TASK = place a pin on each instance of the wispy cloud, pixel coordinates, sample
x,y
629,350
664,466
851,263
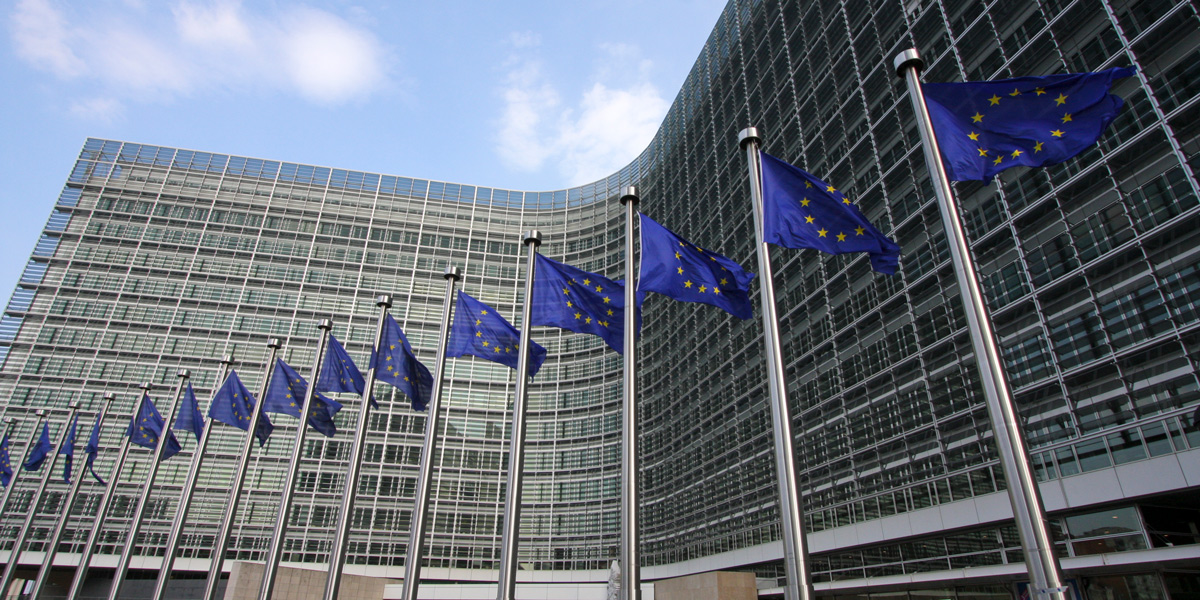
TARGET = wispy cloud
x,y
605,128
134,53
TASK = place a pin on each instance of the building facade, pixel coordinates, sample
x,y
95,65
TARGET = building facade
x,y
156,258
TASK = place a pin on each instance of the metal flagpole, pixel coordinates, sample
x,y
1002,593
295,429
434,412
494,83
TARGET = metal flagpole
x,y
631,571
509,540
14,557
420,513
1044,570
279,533
341,538
185,497
221,543
106,499
61,526
795,546
139,511
12,481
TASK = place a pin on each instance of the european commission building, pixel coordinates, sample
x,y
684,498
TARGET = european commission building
x,y
155,259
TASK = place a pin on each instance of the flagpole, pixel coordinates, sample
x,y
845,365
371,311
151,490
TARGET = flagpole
x,y
1044,570
217,560
506,587
106,499
185,497
337,555
420,513
279,533
631,571
14,557
160,448
12,481
61,526
795,545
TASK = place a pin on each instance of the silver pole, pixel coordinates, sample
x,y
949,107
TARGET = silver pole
x,y
185,496
12,481
509,543
279,533
420,513
61,526
14,557
337,556
1044,570
139,511
106,499
217,560
631,568
795,545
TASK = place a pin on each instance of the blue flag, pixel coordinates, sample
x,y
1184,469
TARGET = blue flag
x,y
396,364
338,371
984,127
40,451
189,417
801,211
676,268
573,299
479,330
286,392
92,449
148,425
233,404
68,450
6,469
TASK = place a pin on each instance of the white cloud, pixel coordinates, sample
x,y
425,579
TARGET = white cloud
x,y
603,131
327,59
41,37
136,53
103,110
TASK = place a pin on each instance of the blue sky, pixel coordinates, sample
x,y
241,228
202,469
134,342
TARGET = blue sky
x,y
513,94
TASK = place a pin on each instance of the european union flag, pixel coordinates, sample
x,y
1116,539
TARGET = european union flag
x,y
40,451
148,425
92,449
396,364
6,470
573,299
233,404
984,127
674,267
68,450
801,211
189,418
285,393
479,330
338,371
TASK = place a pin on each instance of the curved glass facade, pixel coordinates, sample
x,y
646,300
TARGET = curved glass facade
x,y
155,259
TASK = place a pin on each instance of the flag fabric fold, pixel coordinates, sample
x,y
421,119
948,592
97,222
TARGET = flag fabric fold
x,y
189,417
40,450
92,449
676,268
802,211
6,468
397,365
338,371
985,127
286,392
68,450
148,425
479,330
576,300
233,405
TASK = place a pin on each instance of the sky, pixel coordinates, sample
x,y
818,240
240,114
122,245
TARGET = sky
x,y
510,94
